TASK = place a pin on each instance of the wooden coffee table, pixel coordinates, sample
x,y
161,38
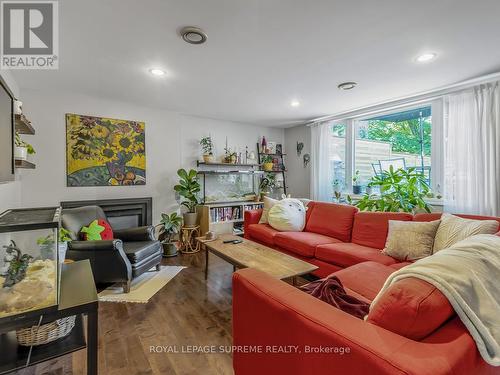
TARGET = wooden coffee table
x,y
249,254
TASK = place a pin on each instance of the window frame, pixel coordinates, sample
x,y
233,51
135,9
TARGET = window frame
x,y
437,139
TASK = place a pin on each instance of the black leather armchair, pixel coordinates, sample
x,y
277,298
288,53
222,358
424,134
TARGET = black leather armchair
x,y
132,252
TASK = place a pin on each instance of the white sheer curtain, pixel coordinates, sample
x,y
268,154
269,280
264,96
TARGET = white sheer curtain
x,y
321,181
472,151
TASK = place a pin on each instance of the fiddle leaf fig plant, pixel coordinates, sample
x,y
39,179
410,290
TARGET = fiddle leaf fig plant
x,y
188,188
400,191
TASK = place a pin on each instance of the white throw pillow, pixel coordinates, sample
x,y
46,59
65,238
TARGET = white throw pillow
x,y
268,204
288,215
453,229
410,240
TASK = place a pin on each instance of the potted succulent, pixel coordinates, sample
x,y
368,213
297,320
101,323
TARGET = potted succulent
x,y
188,188
207,147
356,188
169,227
22,149
267,163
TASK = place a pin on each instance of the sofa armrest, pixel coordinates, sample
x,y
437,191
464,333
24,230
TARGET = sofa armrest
x,y
251,217
271,315
110,245
145,233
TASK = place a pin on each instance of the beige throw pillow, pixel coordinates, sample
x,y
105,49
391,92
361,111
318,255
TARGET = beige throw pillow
x,y
453,229
268,204
410,240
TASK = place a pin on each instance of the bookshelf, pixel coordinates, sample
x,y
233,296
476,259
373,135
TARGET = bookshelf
x,y
225,217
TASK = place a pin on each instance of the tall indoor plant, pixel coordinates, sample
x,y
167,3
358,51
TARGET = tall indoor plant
x,y
188,188
169,227
400,191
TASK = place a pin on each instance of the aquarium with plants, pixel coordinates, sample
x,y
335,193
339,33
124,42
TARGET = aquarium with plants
x,y
29,267
229,186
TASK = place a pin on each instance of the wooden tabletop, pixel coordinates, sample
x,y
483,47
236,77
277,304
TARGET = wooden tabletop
x,y
249,254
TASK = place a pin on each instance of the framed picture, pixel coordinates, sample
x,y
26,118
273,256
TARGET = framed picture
x,y
271,147
104,152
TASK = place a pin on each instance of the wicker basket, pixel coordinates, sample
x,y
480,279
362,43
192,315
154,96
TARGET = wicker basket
x,y
45,333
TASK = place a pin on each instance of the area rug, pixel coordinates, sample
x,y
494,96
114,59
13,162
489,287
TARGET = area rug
x,y
142,288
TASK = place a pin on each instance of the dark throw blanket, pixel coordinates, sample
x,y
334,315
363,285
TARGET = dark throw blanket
x,y
330,290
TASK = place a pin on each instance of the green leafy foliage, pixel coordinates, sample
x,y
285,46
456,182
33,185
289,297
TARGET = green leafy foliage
x,y
267,159
188,188
18,264
19,142
207,145
400,191
268,182
170,225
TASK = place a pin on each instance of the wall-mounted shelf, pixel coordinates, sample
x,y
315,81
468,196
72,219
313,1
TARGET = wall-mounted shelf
x,y
23,125
198,163
274,171
24,164
229,172
281,164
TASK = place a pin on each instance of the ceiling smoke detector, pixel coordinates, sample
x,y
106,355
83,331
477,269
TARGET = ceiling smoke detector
x,y
347,85
193,35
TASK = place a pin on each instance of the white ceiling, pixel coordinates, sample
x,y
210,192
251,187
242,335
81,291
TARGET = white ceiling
x,y
262,54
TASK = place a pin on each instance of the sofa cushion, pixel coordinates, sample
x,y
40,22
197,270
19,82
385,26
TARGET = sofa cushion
x,y
302,243
140,250
412,308
330,219
366,279
348,254
398,266
263,233
370,228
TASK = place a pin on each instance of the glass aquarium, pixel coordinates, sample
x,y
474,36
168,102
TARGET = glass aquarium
x,y
29,267
229,186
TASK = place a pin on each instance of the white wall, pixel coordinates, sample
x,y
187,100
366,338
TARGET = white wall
x,y
10,192
171,142
298,177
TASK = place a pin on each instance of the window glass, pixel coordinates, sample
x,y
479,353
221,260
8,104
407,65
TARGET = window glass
x,y
337,152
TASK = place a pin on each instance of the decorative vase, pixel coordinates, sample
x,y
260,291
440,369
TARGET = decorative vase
x,y
169,249
20,153
267,167
190,219
63,247
209,158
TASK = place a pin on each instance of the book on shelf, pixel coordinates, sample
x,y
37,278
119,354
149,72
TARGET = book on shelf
x,y
218,214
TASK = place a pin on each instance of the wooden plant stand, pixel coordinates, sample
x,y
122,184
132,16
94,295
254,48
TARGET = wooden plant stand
x,y
188,242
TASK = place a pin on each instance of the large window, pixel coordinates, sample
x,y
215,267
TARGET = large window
x,y
366,146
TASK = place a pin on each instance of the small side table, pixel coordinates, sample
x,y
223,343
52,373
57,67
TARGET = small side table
x,y
188,243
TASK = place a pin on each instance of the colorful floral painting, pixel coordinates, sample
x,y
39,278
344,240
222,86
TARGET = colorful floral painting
x,y
104,151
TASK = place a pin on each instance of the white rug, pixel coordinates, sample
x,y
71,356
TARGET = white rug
x,y
143,288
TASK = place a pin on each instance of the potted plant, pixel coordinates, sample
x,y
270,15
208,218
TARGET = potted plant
x,y
169,227
267,163
400,191
47,244
22,149
207,147
267,184
356,188
230,156
188,188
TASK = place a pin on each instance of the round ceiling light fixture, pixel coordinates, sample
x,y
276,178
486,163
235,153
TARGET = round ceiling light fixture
x,y
347,85
294,103
426,57
157,72
193,35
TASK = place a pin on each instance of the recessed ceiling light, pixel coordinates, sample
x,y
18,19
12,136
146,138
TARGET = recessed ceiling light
x,y
294,103
347,85
426,57
157,72
193,35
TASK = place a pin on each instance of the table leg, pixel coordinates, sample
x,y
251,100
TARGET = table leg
x,y
92,332
206,263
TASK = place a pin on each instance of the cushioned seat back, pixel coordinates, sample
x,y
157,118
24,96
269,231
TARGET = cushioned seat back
x,y
412,308
73,219
370,228
330,219
437,216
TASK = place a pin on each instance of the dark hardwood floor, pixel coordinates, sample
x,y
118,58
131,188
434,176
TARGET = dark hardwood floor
x,y
188,311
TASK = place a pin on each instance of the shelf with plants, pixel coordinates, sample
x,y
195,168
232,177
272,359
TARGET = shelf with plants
x,y
272,163
21,151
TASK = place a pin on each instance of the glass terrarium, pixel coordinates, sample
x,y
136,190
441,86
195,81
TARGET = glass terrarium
x,y
29,267
229,186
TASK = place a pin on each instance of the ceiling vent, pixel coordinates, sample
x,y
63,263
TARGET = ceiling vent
x,y
193,35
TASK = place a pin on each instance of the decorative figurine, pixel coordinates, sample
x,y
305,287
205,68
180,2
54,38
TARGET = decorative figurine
x,y
307,159
300,146
18,264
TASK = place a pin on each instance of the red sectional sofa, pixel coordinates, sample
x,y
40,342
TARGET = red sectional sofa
x,y
335,236
279,329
